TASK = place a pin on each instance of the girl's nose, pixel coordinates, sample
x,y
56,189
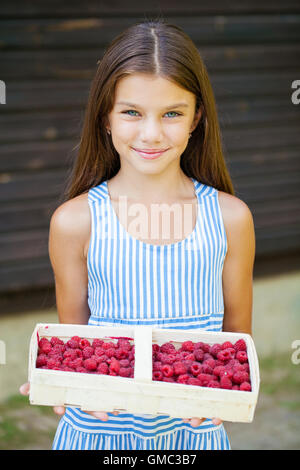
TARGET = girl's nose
x,y
151,131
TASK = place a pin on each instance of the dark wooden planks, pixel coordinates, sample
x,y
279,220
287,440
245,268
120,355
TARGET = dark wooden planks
x,y
98,31
56,8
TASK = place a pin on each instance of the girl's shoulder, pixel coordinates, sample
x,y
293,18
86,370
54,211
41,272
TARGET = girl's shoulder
x,y
235,212
72,219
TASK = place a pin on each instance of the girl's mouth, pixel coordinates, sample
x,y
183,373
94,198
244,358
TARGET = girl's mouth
x,y
149,154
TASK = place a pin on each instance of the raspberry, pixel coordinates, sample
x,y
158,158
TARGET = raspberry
x,y
124,371
157,365
218,371
167,370
179,368
59,348
43,341
87,352
70,353
54,340
168,348
103,368
110,352
213,384
240,376
190,357
240,345
206,369
97,343
99,351
227,373
41,360
51,363
114,365
44,346
235,387
215,349
227,345
90,364
157,375
193,381
187,346
204,346
225,382
168,379
108,345
81,369
83,343
77,363
155,348
207,356
123,343
124,363
226,354
205,379
170,358
121,353
210,362
196,368
72,343
245,387
199,355
242,356
183,378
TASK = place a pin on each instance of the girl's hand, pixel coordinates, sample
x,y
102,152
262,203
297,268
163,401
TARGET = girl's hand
x,y
60,410
195,422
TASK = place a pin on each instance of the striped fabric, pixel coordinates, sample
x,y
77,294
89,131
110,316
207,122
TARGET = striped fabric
x,y
168,286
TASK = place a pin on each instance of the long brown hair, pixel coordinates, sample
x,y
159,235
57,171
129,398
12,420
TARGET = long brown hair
x,y
152,47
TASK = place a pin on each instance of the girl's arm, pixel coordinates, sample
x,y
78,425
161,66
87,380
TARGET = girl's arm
x,y
69,230
238,265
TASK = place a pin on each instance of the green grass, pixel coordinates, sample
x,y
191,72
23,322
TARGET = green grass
x,y
25,426
279,375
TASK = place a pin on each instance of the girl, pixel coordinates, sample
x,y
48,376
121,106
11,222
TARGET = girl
x,y
151,138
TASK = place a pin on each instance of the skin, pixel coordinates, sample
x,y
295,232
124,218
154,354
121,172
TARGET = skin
x,y
150,125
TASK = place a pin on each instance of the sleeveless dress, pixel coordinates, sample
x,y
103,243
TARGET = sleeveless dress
x,y
167,286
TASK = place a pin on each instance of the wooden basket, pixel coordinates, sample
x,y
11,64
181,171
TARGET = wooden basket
x,y
140,395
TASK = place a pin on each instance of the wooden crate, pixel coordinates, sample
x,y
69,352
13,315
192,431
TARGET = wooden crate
x,y
140,395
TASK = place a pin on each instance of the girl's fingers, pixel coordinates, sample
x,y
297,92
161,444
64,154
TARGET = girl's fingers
x,y
216,421
102,415
24,389
59,410
195,422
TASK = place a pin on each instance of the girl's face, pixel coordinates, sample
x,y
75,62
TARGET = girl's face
x,y
150,123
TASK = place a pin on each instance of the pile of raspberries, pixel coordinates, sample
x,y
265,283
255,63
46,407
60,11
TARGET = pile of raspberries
x,y
81,355
218,366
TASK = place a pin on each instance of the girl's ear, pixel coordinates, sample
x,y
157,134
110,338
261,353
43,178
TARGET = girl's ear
x,y
196,119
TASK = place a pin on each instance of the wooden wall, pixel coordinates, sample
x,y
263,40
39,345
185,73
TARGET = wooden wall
x,y
49,52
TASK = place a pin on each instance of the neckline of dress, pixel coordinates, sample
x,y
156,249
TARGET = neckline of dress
x,y
150,245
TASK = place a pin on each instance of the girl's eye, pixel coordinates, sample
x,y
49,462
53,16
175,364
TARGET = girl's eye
x,y
130,111
175,114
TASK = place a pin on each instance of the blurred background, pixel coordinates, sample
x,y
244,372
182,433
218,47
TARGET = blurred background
x,y
49,52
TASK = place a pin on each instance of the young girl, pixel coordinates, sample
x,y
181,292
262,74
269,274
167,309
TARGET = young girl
x,y
151,138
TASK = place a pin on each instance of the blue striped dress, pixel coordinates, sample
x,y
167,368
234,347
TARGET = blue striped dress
x,y
167,286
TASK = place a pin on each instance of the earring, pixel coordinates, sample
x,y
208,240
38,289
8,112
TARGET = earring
x,y
190,136
108,131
